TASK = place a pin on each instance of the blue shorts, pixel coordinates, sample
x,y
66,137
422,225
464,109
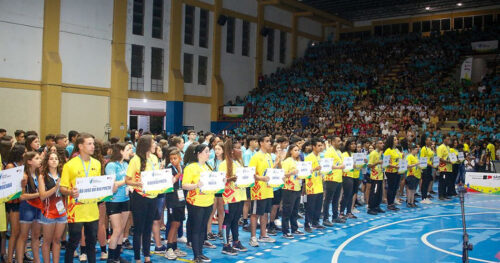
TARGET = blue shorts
x,y
29,214
49,221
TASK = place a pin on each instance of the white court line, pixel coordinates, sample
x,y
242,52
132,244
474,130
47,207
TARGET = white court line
x,y
424,239
336,255
482,207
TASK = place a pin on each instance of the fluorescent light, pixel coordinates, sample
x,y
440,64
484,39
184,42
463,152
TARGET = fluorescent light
x,y
459,4
427,8
145,100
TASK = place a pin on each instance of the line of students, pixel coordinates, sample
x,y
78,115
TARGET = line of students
x,y
50,197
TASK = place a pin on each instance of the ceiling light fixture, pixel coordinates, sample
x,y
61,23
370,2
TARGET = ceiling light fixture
x,y
427,8
459,4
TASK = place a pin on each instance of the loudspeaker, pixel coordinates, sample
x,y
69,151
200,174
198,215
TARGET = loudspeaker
x,y
264,31
222,20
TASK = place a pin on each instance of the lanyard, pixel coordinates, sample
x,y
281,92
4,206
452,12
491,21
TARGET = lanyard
x,y
86,169
35,180
54,178
177,172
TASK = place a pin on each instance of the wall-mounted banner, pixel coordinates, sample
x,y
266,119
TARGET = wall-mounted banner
x,y
233,111
485,46
466,69
488,183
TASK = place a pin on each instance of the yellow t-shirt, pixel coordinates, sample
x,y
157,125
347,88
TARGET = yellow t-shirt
x,y
134,171
291,183
376,171
336,174
466,148
314,185
491,148
395,157
427,152
414,171
261,161
232,194
354,173
73,169
191,175
442,152
3,218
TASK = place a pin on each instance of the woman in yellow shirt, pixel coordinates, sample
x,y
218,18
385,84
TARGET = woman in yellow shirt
x,y
142,204
199,204
291,193
350,182
427,152
391,171
454,171
414,174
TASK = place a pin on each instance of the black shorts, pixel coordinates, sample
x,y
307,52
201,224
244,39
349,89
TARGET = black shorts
x,y
412,182
261,207
277,197
218,195
11,207
176,214
117,207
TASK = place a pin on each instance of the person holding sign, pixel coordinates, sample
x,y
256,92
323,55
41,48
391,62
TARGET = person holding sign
x,y
53,210
261,194
233,198
199,204
80,215
291,193
118,208
176,204
333,183
391,171
455,167
143,205
445,167
30,212
377,179
414,174
314,188
426,152
350,181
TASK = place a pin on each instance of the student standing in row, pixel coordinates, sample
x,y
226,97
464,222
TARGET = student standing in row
x,y
333,184
428,153
314,188
291,193
393,177
376,178
414,174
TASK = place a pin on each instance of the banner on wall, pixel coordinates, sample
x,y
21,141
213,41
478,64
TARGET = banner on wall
x,y
488,183
466,70
233,111
485,46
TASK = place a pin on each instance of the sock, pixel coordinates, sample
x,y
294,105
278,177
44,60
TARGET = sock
x,y
111,253
118,251
83,250
174,245
103,249
170,246
224,234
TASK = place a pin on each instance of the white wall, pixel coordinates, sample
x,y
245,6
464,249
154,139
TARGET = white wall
x,y
310,26
84,113
194,88
248,7
21,31
85,42
269,67
238,71
20,109
278,16
147,41
197,115
302,44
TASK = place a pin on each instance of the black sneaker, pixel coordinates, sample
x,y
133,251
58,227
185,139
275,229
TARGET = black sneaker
x,y
271,232
211,236
288,236
351,216
372,212
204,258
246,228
127,245
228,250
122,260
308,229
327,223
298,233
239,247
219,236
207,244
379,210
339,220
318,226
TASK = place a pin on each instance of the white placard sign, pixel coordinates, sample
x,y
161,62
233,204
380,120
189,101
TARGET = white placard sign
x,y
422,162
359,159
275,177
461,156
326,165
95,188
157,182
245,177
386,161
452,157
212,182
349,163
403,166
10,183
435,161
305,169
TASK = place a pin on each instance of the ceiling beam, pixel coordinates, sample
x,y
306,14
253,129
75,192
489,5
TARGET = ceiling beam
x,y
316,12
308,13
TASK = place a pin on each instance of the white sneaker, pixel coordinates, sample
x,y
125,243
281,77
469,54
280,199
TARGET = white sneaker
x,y
179,253
170,255
83,257
182,239
104,256
355,210
254,242
426,201
300,225
277,222
397,202
266,239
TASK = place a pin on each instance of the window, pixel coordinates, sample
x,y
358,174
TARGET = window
x,y
138,18
188,68
426,26
202,70
405,28
157,69
478,22
189,25
386,30
137,68
458,23
270,44
157,19
436,25
445,24
282,47
230,35
378,30
245,44
468,22
204,24
488,21
417,27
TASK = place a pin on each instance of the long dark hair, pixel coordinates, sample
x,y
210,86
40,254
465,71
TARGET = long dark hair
x,y
423,138
28,141
49,183
290,149
347,147
191,155
16,153
143,146
228,156
389,142
116,156
5,147
27,169
98,154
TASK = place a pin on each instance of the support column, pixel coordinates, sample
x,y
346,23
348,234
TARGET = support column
x,y
50,114
217,82
295,20
118,101
175,110
258,42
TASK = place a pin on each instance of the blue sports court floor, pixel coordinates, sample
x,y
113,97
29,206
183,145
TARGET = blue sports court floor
x,y
430,233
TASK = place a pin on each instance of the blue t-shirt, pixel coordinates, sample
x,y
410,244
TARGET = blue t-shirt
x,y
69,149
120,171
247,156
